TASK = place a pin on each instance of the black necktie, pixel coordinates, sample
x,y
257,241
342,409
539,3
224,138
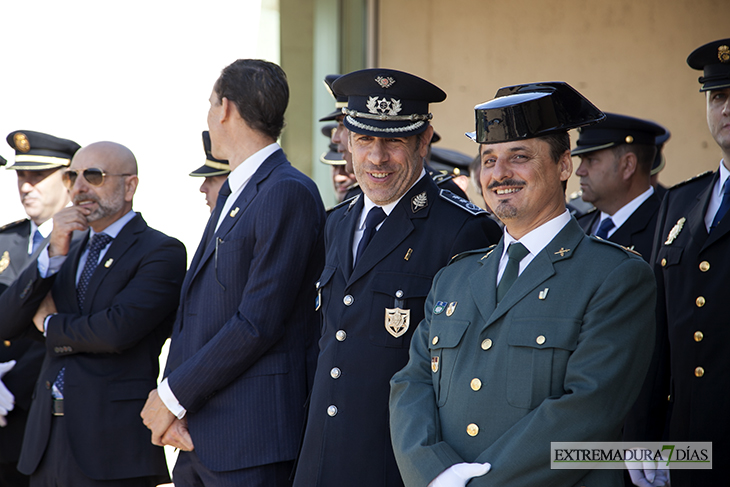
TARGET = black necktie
x,y
516,253
97,242
603,229
223,194
375,216
724,205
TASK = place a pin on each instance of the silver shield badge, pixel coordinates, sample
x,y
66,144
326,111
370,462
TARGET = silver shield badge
x,y
397,321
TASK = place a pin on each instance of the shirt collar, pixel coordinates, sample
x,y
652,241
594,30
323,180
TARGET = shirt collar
x,y
247,168
724,174
623,214
45,228
116,227
368,204
537,239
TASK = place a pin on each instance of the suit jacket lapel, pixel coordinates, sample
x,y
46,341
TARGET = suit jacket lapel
x,y
483,282
346,227
541,268
695,222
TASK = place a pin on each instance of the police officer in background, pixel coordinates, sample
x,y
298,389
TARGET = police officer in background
x,y
38,160
382,251
342,179
685,397
616,158
215,171
659,162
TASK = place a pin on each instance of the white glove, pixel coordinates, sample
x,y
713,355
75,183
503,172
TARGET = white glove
x,y
7,399
458,475
647,473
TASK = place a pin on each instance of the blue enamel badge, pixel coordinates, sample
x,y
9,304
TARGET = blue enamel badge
x,y
440,307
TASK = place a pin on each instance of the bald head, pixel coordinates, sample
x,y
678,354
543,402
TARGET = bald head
x,y
117,158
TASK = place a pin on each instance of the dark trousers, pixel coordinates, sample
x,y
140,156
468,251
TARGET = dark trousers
x,y
189,472
59,468
10,477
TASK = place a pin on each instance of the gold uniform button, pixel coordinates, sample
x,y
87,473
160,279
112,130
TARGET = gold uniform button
x,y
699,336
664,262
335,373
487,344
700,301
540,339
704,266
348,300
435,340
332,411
340,335
476,384
6,343
699,372
472,430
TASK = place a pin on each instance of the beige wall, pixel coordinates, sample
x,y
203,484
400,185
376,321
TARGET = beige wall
x,y
625,56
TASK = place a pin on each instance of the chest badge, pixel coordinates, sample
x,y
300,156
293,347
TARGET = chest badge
x,y
451,308
674,232
4,261
397,321
434,364
440,307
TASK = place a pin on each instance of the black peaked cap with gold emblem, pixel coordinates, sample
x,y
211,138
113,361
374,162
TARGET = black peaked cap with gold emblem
x,y
387,103
714,59
212,166
332,157
340,100
617,130
36,151
532,110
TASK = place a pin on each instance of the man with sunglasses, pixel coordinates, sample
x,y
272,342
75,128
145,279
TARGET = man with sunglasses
x,y
103,305
244,342
39,162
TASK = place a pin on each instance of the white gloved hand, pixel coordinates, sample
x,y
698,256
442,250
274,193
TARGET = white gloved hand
x,y
647,473
7,399
458,475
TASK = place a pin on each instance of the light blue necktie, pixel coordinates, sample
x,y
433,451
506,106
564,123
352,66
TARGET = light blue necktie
x,y
37,240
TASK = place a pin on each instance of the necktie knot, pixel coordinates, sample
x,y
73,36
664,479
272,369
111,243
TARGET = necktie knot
x,y
37,240
517,251
225,189
98,242
605,227
375,216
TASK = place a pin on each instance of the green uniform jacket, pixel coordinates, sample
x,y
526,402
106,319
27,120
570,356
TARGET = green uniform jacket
x,y
561,358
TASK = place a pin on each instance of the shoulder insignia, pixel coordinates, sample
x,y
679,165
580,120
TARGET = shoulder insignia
x,y
13,224
4,261
693,178
614,244
349,201
461,202
460,256
631,249
441,177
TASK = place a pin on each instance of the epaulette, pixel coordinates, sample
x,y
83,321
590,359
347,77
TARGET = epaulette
x,y
349,201
614,244
693,178
12,224
441,177
461,202
461,255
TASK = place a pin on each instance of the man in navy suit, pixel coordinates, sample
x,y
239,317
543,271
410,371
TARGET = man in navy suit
x,y
103,305
616,158
243,346
377,275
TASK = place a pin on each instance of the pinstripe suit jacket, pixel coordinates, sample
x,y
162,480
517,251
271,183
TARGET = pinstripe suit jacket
x,y
244,341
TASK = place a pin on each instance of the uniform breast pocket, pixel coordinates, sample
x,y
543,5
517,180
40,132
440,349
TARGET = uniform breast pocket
x,y
397,307
669,256
443,338
539,349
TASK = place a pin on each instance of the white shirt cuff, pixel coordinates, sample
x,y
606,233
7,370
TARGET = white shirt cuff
x,y
169,399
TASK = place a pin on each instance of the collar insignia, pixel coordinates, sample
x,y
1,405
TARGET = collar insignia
x,y
419,202
562,252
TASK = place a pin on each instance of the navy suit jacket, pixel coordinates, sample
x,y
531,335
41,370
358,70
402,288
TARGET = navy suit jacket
x,y
243,345
109,349
636,233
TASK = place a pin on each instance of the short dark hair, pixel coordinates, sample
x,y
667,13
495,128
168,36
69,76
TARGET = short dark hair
x,y
559,143
259,90
644,155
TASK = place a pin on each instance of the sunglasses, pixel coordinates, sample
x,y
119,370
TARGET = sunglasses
x,y
94,176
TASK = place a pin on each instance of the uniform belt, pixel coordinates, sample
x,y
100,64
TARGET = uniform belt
x,y
57,407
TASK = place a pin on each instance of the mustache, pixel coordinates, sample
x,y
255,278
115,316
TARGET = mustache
x,y
506,182
84,197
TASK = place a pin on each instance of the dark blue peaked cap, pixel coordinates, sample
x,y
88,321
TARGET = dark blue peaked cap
x,y
340,100
617,130
212,166
387,103
532,110
714,59
36,151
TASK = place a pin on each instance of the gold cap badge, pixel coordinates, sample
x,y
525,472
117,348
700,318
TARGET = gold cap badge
x,y
723,54
21,142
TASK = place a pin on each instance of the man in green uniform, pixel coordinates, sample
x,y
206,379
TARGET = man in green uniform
x,y
541,339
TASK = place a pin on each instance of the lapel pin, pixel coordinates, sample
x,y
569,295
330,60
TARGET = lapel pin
x,y
435,364
408,254
674,232
234,212
543,294
440,307
108,263
451,308
562,252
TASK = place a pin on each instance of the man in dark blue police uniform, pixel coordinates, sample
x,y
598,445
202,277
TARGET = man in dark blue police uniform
x,y
616,158
215,171
39,158
537,340
383,249
685,397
